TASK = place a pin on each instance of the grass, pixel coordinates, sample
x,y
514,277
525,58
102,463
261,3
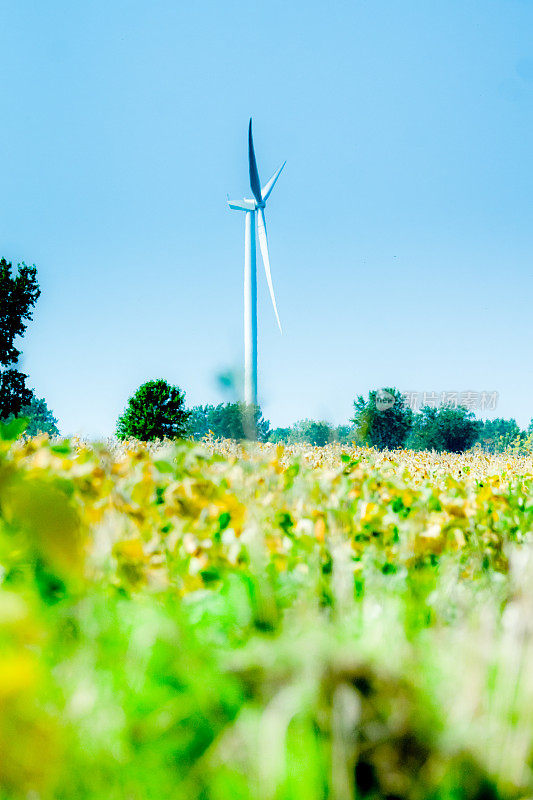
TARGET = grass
x,y
223,621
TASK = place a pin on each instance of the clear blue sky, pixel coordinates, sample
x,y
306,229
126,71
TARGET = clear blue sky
x,y
400,232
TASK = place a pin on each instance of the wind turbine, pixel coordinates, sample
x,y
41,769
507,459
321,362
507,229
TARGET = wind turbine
x,y
253,208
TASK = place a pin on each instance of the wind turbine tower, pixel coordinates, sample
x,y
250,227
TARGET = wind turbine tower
x,y
254,209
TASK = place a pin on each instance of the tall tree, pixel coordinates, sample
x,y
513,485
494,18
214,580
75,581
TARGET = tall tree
x,y
155,411
19,292
453,429
384,420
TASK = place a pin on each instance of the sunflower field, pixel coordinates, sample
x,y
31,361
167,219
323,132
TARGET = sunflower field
x,y
213,621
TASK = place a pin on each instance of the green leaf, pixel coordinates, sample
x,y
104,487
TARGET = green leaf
x,y
9,431
210,574
164,466
61,449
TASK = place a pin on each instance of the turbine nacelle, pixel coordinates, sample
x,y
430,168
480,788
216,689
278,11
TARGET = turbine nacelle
x,y
246,204
242,205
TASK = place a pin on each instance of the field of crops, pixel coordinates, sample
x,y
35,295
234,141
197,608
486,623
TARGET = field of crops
x,y
218,622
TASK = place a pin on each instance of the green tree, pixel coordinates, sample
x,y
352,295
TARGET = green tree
x,y
14,394
229,421
308,431
496,434
449,428
346,434
18,294
384,419
280,436
41,419
197,424
155,411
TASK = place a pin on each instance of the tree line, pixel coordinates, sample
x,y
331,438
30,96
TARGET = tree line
x,y
382,420
157,409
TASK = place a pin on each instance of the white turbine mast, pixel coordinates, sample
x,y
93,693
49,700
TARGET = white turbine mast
x,y
253,208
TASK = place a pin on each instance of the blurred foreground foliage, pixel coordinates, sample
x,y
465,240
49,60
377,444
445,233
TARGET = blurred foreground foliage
x,y
213,621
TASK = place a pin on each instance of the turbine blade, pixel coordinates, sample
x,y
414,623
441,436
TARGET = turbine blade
x,y
267,188
255,183
263,246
